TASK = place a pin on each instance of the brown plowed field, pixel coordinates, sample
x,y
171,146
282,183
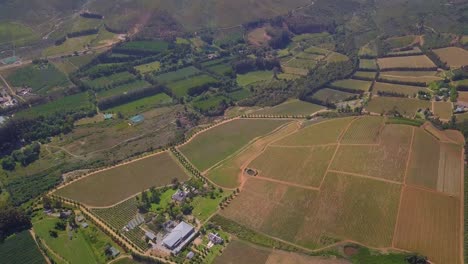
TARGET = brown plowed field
x,y
429,223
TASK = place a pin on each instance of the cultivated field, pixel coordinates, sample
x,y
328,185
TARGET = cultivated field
x,y
180,74
216,144
326,132
444,110
455,57
364,131
42,79
254,77
410,76
365,75
124,88
142,105
228,173
291,108
367,64
406,90
20,249
351,84
149,67
385,161
429,224
404,106
303,166
182,87
410,62
258,36
331,95
111,186
241,252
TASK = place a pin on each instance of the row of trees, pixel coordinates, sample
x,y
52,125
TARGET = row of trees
x,y
25,156
120,99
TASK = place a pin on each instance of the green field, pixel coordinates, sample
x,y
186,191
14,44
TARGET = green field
x,y
216,144
291,108
404,106
43,79
149,67
209,103
406,90
70,46
400,42
107,82
142,105
124,88
17,33
20,249
221,69
254,77
111,186
365,75
155,46
73,103
331,95
181,88
351,84
365,64
180,74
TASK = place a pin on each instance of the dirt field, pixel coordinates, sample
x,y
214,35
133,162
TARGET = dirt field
x,y
410,62
364,131
304,166
258,36
429,224
463,97
326,132
227,173
111,186
216,144
404,106
444,110
410,76
241,252
385,161
450,169
455,57
407,90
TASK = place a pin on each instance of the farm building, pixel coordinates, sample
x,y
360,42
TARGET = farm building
x,y
112,251
138,119
179,196
151,236
10,60
179,237
108,116
215,238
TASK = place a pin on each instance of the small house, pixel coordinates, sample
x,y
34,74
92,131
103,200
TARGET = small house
x,y
215,238
190,255
179,196
151,236
84,225
80,218
112,251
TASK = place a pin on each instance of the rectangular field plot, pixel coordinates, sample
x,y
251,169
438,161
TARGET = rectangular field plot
x,y
218,143
410,76
304,166
365,64
182,87
348,207
409,62
365,75
385,161
332,96
429,223
390,88
404,106
351,84
450,165
142,105
20,249
291,108
111,186
326,132
227,174
254,77
364,130
455,57
178,75
124,88
444,110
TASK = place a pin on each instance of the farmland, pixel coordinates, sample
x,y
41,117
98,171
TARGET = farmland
x,y
367,65
326,132
124,88
406,90
291,108
110,81
364,131
146,46
304,166
352,85
216,144
182,87
365,75
20,249
425,220
18,33
404,106
42,79
180,74
254,77
142,105
94,190
331,95
73,103
455,57
410,76
410,62
444,110
149,67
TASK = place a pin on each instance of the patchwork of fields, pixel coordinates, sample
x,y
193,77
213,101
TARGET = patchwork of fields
x,y
411,62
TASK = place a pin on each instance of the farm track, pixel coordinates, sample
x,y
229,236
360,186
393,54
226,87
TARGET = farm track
x,y
33,234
